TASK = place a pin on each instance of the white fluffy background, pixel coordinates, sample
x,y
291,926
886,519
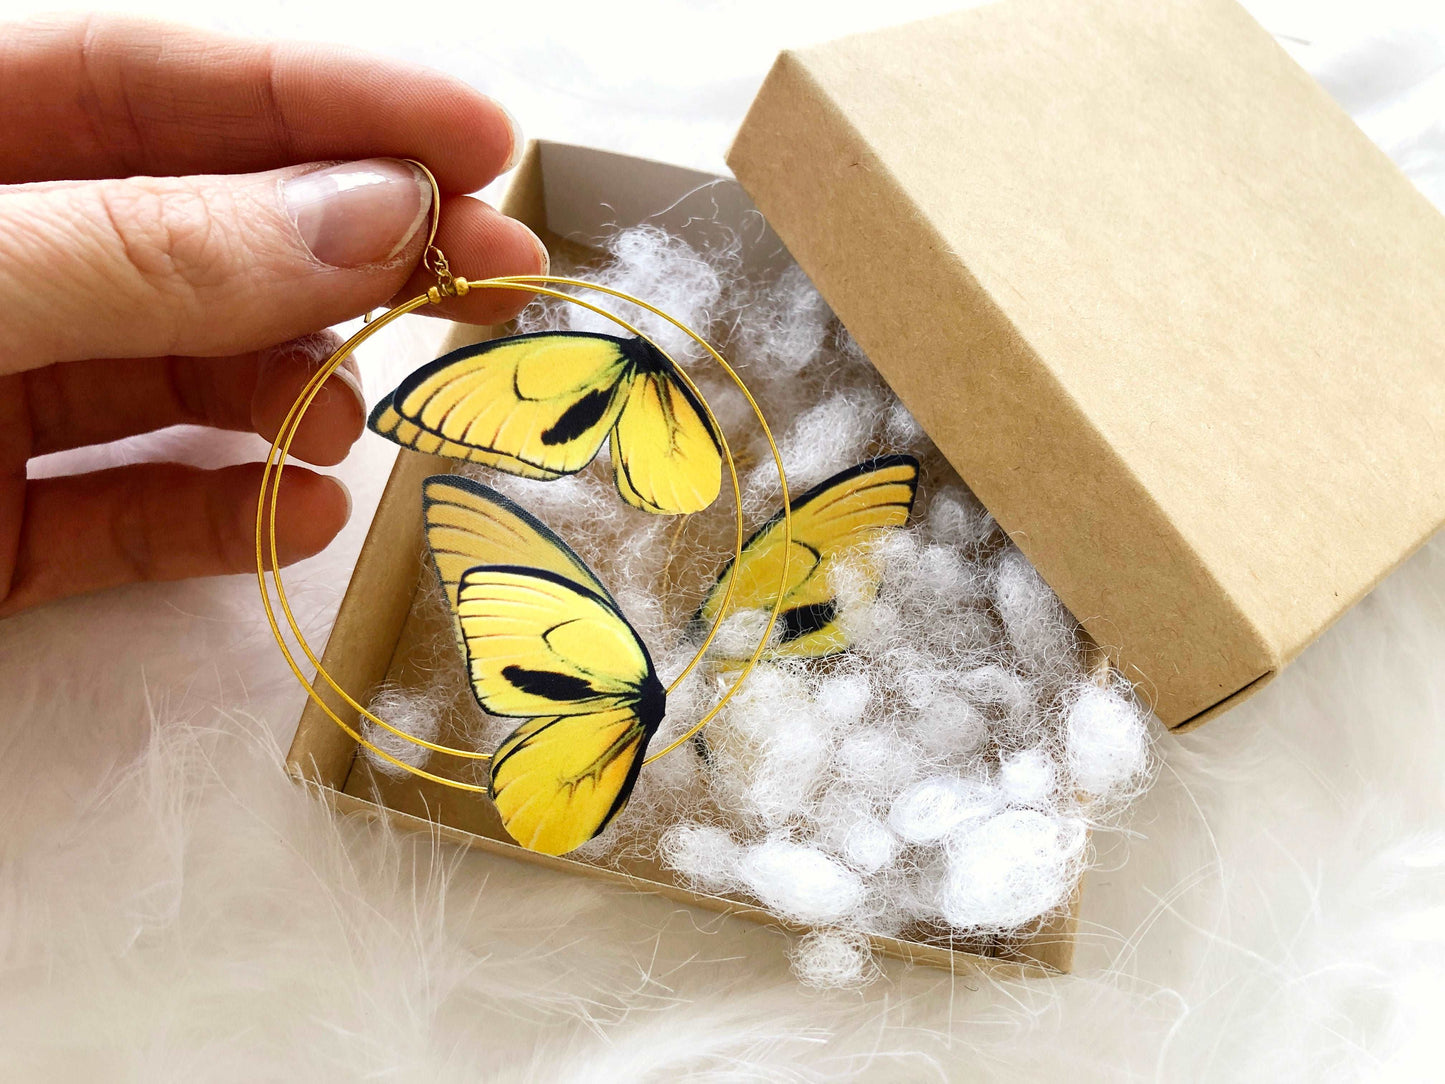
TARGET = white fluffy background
x,y
171,907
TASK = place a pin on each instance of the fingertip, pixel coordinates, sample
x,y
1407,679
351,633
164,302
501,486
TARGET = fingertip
x,y
481,136
346,496
340,420
544,258
519,141
312,510
335,417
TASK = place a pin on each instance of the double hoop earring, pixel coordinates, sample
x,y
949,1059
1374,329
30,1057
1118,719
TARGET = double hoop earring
x,y
450,286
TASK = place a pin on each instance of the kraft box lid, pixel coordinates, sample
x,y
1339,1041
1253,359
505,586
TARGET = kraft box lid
x,y
1170,314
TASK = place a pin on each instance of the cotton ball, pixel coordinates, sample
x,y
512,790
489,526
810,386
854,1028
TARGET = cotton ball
x,y
650,263
873,762
637,545
1038,625
416,712
834,960
867,621
868,845
835,813
1106,740
896,554
687,699
768,746
1007,870
799,882
826,438
902,429
920,686
934,807
669,780
846,827
761,494
703,853
940,570
943,718
734,416
973,631
842,699
901,895
785,331
956,518
738,635
992,684
903,655
852,361
949,726
641,605
1027,777
556,500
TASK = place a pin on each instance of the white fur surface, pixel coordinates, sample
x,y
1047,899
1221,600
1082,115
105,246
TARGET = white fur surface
x,y
172,907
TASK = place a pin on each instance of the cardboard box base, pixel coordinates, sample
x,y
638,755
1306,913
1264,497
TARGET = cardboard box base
x,y
381,634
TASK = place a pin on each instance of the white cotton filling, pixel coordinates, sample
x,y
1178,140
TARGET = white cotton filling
x,y
944,771
799,881
416,712
1027,777
787,326
1038,626
740,631
1001,868
956,518
833,959
936,807
705,855
825,439
769,747
868,846
664,271
1107,741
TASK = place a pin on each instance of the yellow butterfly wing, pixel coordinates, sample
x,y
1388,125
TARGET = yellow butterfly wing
x,y
544,402
559,781
546,648
539,643
666,453
831,522
469,524
388,423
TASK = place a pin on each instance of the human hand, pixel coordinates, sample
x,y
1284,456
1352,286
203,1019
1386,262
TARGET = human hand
x,y
192,295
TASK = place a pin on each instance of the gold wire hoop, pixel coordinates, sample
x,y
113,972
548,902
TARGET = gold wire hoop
x,y
280,451
471,754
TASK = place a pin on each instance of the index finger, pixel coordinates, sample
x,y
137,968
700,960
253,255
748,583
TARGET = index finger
x,y
115,97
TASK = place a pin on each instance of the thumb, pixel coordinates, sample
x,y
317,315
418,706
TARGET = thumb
x,y
211,265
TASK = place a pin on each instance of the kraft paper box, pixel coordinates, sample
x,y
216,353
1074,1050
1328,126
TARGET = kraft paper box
x,y
1168,312
572,197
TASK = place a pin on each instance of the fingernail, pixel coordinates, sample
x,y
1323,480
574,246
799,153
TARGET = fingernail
x,y
541,250
519,141
348,374
358,213
345,493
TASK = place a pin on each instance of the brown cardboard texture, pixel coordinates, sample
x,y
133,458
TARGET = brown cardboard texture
x,y
571,197
1170,314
